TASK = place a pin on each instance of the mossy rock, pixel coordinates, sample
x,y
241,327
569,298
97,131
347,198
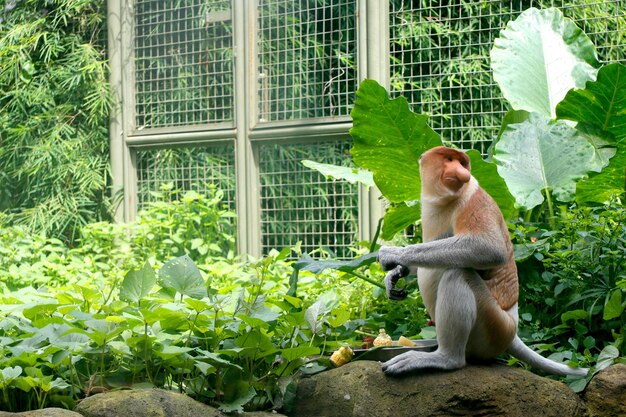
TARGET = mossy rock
x,y
46,412
360,389
144,403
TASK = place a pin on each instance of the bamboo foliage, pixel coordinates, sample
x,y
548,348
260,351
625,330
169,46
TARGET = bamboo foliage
x,y
54,106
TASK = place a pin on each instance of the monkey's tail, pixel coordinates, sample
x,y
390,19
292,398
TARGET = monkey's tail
x,y
532,358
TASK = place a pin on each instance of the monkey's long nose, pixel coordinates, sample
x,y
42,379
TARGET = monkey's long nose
x,y
462,174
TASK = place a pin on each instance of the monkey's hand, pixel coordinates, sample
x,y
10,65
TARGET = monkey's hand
x,y
389,257
392,278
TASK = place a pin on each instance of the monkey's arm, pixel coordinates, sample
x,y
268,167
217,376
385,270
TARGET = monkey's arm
x,y
460,251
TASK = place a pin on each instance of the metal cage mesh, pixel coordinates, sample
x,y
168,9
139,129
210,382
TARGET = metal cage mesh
x,y
184,169
299,204
183,63
440,58
306,56
307,59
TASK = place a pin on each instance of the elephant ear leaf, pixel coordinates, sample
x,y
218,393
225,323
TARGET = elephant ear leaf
x,y
602,103
540,155
602,106
388,140
601,187
398,217
539,57
337,172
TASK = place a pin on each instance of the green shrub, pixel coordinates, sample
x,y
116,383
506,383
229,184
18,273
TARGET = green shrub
x,y
164,302
55,101
573,280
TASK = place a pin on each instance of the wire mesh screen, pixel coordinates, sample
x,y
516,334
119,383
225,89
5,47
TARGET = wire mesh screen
x,y
299,204
183,63
440,57
184,169
307,58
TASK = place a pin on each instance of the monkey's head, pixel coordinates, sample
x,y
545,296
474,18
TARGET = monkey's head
x,y
444,172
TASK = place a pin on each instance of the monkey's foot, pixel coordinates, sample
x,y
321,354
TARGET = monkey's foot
x,y
415,361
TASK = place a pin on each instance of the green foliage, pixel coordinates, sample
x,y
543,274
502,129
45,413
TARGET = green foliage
x,y
601,106
54,102
539,57
193,225
574,280
600,102
540,156
537,154
389,140
146,304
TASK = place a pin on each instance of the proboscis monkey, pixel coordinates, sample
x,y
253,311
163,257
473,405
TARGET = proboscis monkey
x,y
466,272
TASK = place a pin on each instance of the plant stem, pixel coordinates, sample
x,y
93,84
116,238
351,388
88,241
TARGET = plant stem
x,y
193,326
366,279
550,209
146,352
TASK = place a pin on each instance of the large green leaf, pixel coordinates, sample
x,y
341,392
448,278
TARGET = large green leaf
x,y
306,263
539,57
398,217
601,104
542,155
613,308
184,276
603,144
389,140
337,172
599,188
138,284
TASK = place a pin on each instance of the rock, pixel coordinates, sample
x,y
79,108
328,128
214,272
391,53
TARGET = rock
x,y
361,389
144,403
46,412
606,393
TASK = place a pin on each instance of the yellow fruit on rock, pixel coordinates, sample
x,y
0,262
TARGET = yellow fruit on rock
x,y
383,339
341,356
403,341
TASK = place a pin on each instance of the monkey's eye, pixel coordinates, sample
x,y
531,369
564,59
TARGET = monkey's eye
x,y
449,158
